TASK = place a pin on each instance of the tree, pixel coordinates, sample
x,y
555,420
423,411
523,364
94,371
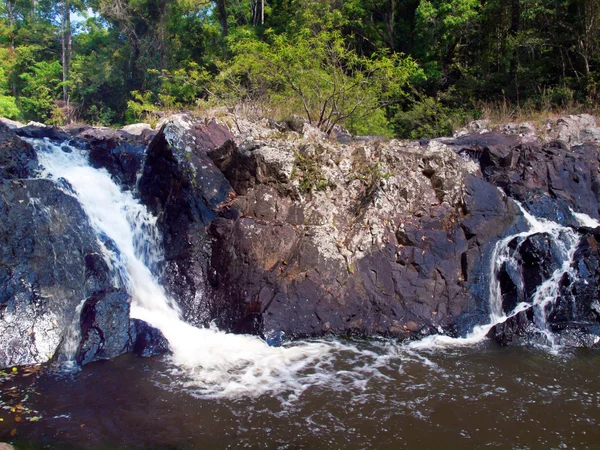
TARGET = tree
x,y
319,74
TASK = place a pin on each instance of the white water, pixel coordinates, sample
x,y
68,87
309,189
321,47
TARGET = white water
x,y
214,362
564,241
586,220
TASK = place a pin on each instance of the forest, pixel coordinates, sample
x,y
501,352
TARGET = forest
x,y
405,68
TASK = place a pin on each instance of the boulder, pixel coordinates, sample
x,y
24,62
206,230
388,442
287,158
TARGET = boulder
x,y
574,129
50,260
12,124
182,186
17,158
364,238
107,331
549,178
119,152
137,129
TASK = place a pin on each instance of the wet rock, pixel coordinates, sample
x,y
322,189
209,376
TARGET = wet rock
x,y
107,331
183,187
549,178
39,131
17,158
148,341
514,329
123,159
50,260
117,151
578,301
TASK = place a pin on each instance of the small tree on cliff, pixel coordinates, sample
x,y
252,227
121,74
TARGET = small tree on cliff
x,y
316,73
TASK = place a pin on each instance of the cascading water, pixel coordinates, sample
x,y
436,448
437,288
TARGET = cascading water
x,y
564,242
215,363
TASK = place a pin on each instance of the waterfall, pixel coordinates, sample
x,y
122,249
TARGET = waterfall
x,y
213,362
564,242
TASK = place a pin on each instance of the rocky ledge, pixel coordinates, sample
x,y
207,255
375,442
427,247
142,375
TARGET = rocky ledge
x,y
279,230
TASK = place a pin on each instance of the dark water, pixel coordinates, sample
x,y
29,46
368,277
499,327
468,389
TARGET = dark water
x,y
482,396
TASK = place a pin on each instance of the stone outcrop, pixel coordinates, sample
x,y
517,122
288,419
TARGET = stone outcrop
x,y
108,332
552,180
181,185
276,229
364,238
51,263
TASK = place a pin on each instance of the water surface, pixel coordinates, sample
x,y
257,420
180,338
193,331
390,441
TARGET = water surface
x,y
380,395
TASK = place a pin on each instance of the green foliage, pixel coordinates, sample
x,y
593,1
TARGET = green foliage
x,y
410,68
43,84
8,107
319,75
308,171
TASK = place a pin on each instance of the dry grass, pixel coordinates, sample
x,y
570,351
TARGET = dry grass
x,y
537,112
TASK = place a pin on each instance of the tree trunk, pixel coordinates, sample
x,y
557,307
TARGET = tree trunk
x,y
515,18
223,17
66,54
162,37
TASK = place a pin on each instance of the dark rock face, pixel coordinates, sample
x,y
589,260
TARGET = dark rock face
x,y
17,158
378,255
104,327
107,331
552,180
515,330
182,186
50,263
148,340
41,132
50,260
120,153
122,159
548,178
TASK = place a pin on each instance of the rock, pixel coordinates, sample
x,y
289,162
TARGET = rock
x,y
107,331
381,251
4,446
17,158
50,259
40,131
536,174
183,187
476,126
148,340
137,129
12,124
574,130
514,330
35,124
251,163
